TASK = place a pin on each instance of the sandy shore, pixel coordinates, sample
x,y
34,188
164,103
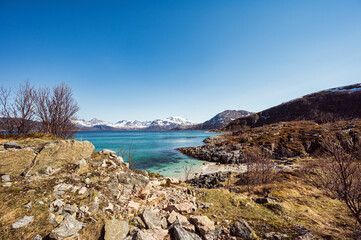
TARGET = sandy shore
x,y
209,168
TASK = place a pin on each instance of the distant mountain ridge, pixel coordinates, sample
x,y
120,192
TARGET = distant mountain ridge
x,y
218,121
158,124
341,103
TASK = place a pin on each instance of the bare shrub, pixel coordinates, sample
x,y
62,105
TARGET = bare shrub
x,y
259,169
188,170
339,171
56,109
127,153
7,122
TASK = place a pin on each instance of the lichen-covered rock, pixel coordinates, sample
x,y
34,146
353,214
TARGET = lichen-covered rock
x,y
15,161
116,229
68,228
203,224
22,222
58,153
243,230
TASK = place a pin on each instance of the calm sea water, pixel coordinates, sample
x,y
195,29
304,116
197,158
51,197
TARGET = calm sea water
x,y
155,151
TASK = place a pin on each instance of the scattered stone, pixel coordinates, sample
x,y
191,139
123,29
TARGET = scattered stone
x,y
184,207
107,152
265,200
274,235
5,178
38,237
116,229
56,205
12,145
28,205
140,235
203,224
8,184
173,180
39,202
22,222
82,190
156,233
307,236
70,208
52,218
179,233
46,171
151,220
68,228
243,230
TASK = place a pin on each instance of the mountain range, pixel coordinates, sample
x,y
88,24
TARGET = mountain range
x,y
158,124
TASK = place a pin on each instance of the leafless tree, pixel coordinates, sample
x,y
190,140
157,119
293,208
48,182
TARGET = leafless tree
x,y
56,109
7,122
127,153
23,108
188,170
339,172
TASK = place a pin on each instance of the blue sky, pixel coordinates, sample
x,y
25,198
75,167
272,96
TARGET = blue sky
x,y
143,60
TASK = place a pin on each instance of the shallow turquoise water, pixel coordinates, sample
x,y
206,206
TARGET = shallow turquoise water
x,y
155,151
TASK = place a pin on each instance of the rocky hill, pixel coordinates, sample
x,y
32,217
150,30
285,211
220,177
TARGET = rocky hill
x,y
324,106
218,121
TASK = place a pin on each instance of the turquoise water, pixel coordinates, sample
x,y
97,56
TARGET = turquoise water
x,y
155,151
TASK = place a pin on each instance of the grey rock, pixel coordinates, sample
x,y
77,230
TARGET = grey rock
x,y
28,205
39,202
140,235
133,181
107,152
69,227
22,222
116,229
56,205
5,178
70,208
38,237
12,145
241,229
46,170
150,219
177,232
307,236
7,184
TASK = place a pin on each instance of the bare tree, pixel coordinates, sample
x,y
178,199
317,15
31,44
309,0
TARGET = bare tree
x,y
7,122
56,109
188,170
23,108
127,153
339,171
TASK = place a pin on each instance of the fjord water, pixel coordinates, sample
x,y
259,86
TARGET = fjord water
x,y
155,151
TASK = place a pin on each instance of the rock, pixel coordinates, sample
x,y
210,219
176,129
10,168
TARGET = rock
x,y
179,233
52,218
173,180
7,184
116,229
213,235
203,224
151,220
133,207
12,145
68,228
28,205
46,170
212,180
107,152
22,222
16,161
140,235
82,167
243,230
133,181
265,200
274,235
70,208
5,178
56,154
185,207
174,216
37,237
307,236
39,202
156,233
56,205
82,191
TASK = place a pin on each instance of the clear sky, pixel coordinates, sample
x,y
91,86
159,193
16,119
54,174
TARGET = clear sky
x,y
133,59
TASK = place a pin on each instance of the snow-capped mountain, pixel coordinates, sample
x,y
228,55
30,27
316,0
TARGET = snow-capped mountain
x,y
158,124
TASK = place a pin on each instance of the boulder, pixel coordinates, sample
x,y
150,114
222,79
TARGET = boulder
x,y
46,170
68,228
5,178
12,145
116,229
58,153
37,237
177,232
15,161
243,230
22,222
151,220
156,233
174,216
203,224
140,235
